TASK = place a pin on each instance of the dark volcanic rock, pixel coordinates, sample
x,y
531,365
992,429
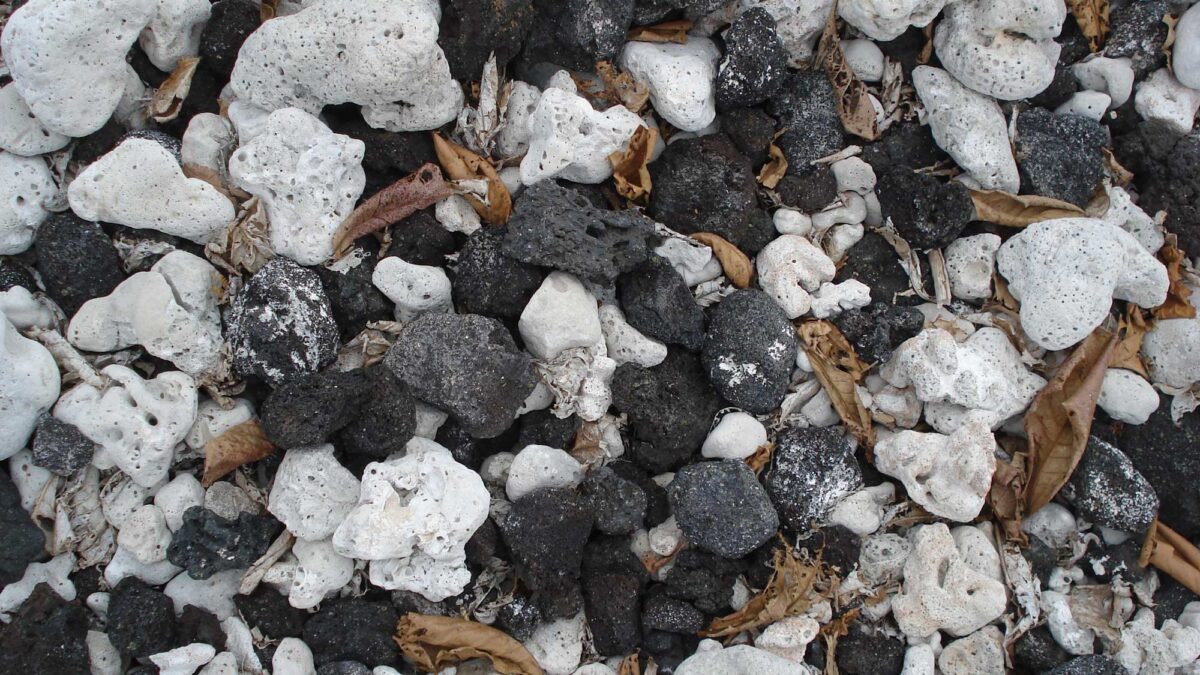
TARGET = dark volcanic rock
x,y
542,427
575,34
269,611
1137,31
385,422
704,580
811,470
704,185
658,302
471,451
613,609
1166,457
860,653
141,620
926,212
907,145
21,541
351,629
47,636
353,298
878,328
309,409
467,365
1106,562
809,192
231,22
1166,170
207,543
755,61
751,131
13,273
545,532
876,264
658,506
76,260
421,240
519,618
489,282
198,625
619,505
471,30
343,668
60,447
749,351
1110,492
1036,651
1058,155
806,107
665,613
1094,664
722,508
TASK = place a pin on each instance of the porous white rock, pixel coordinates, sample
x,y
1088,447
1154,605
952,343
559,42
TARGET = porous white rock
x,y
416,289
292,657
789,269
862,511
789,637
381,55
919,659
538,467
797,22
1185,54
1066,273
1127,397
513,137
970,127
864,57
791,221
170,310
26,310
306,176
25,184
183,660
1123,213
885,20
54,573
249,120
207,142
948,475
214,594
29,479
122,496
832,299
882,557
737,436
941,591
166,199
103,657
320,571
20,132
853,175
240,642
1089,104
312,493
123,565
899,404
176,497
627,344
680,78
174,32
694,261
419,545
494,469
569,139
1162,97
850,208
1171,349
557,645
455,214
29,385
666,537
67,58
1001,48
212,420
974,543
131,109
1053,524
145,535
713,659
561,315
1146,650
970,264
1110,76
980,653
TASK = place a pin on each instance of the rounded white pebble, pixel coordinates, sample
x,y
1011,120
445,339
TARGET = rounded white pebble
x,y
1127,397
540,466
737,436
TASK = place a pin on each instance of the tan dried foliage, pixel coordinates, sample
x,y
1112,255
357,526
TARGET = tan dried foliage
x,y
669,31
267,10
1060,418
1005,208
838,369
1006,498
735,264
926,52
1169,43
419,190
1170,552
630,171
1120,175
787,594
761,457
831,633
853,100
586,448
241,444
167,100
246,246
621,88
773,171
630,665
1178,304
1092,17
1128,354
437,642
462,164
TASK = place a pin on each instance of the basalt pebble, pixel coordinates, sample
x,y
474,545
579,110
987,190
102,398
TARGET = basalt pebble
x,y
806,108
421,240
141,620
613,609
671,615
658,506
1164,455
575,34
1109,491
343,668
1137,32
231,22
927,212
60,447
269,612
309,409
1166,169
863,653
618,504
354,300
353,629
76,260
703,579
658,303
755,61
13,273
546,531
811,470
1037,652
876,264
809,192
469,450
750,350
386,420
206,543
543,427
489,282
1059,156
199,625
47,636
519,618
473,30
1094,664
907,145
879,328
708,497
389,155
21,542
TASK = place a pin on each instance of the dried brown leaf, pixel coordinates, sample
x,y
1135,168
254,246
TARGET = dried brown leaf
x,y
421,189
437,642
1005,208
630,171
761,457
1120,175
167,100
668,31
1172,553
246,246
831,633
734,263
926,52
838,368
462,164
1006,498
1178,304
630,666
267,10
1128,354
853,100
241,444
586,448
1169,43
622,88
1060,418
772,172
1092,17
786,594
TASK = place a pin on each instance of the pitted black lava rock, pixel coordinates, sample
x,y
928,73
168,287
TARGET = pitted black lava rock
x,y
545,532
1166,457
662,612
606,554
618,504
862,653
658,302
1094,664
421,240
280,325
519,618
21,541
231,22
879,328
385,422
542,427
1166,170
467,365
806,107
1137,32
199,625
559,228
1036,651
351,629
76,260
658,506
907,145
207,543
876,264
703,579
811,470
809,192
707,497
46,636
1058,155
13,274
60,447
750,350
309,409
751,131
489,282
389,155
755,61
1109,491
471,30
353,298
704,185
141,620
270,612
612,605
925,211
670,408
484,544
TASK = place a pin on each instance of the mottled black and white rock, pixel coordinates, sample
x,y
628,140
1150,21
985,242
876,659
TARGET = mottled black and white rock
x,y
280,325
467,365
206,543
46,636
927,212
385,422
76,260
14,274
619,505
471,30
231,22
269,612
722,508
806,107
519,618
1094,664
1137,32
862,653
658,302
21,542
355,301
755,61
1109,491
545,532
309,409
352,629
575,34
1105,562
1036,651
141,620
661,612
60,447
487,281
878,328
811,470
1059,155
749,351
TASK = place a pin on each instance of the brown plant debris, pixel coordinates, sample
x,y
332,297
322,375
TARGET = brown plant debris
x,y
436,642
773,171
630,665
735,264
621,88
668,31
246,246
787,594
1178,304
419,190
168,99
838,369
1167,550
462,164
630,172
1005,208
1006,498
1120,175
853,100
831,633
267,10
761,457
240,445
1060,418
1128,354
1092,17
586,448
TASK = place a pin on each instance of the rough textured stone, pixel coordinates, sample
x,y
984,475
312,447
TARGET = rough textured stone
x,y
576,34
519,618
471,30
355,301
1109,491
352,629
755,61
1094,664
21,542
207,543
809,192
141,620
705,185
811,470
860,653
665,613
749,351
1059,155
879,328
60,447
489,282
907,145
231,22
613,610
47,636
619,505
1137,31
385,422
658,303
751,131
421,240
389,156
805,106
927,212
76,260
1166,168
1036,651
13,274
545,532
309,409
269,611
703,579
722,508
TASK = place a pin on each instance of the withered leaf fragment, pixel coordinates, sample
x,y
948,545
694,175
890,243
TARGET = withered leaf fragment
x,y
622,88
1120,175
630,173
168,99
734,263
1128,354
786,594
437,642
421,189
838,368
1178,304
1170,552
246,246
462,164
773,171
668,31
853,100
239,445
1005,208
630,666
1092,17
1006,498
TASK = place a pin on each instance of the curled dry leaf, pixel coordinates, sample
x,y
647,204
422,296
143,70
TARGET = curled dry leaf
x,y
267,10
853,100
1006,498
630,171
167,100
239,445
668,31
622,88
761,457
1092,17
787,594
1060,418
1005,208
1167,550
734,263
838,369
1120,175
246,246
772,172
1128,354
630,666
587,449
437,642
462,164
1178,304
419,190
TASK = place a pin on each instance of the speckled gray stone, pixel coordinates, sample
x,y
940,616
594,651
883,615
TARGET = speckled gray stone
x,y
722,508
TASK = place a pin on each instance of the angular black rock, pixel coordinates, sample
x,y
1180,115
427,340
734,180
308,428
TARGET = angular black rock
x,y
280,325
559,228
199,625
755,61
46,636
76,260
1137,32
704,580
21,541
862,653
704,185
751,131
489,282
907,145
1110,492
613,610
231,22
207,543
1058,155
353,298
927,212
1166,170
309,409
519,618
545,532
722,508
876,264
1165,455
385,422
467,365
749,351
661,612
811,470
60,447
1094,664
471,30
343,668
658,506
878,328
421,240
269,611
618,504
809,192
542,427
141,620
1036,651
658,302
575,34
351,629
806,107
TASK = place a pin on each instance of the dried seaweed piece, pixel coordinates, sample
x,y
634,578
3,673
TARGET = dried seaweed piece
x,y
838,369
1005,208
853,100
462,164
734,263
239,445
419,190
773,171
1092,17
630,171
436,642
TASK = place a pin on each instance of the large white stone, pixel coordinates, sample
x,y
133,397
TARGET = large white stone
x,y
1123,213
885,20
25,183
207,142
416,289
1162,97
1127,397
789,637
561,315
292,657
320,571
29,385
713,659
1185,55
214,594
1089,104
569,139
737,436
1171,350
980,653
176,497
680,78
790,268
20,132
312,493
557,645
538,467
54,573
174,32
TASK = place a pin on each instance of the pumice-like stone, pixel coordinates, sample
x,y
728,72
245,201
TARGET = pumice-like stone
x,y
789,269
29,385
20,132
1113,77
312,493
174,32
970,263
680,78
145,535
1127,397
886,20
1162,97
561,315
569,139
25,183
416,289
320,570
1171,350
627,344
713,659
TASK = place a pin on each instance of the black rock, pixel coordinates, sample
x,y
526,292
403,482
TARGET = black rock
x,y
172,144
755,61
60,447
1042,558
613,610
811,470
925,211
876,264
351,629
665,613
805,105
231,22
1061,88
141,620
542,427
809,192
308,409
1036,651
1171,599
385,422
838,547
484,544
704,185
749,351
878,328
545,532
76,260
703,579
207,543
907,145
1094,664
563,602
280,325
471,30
471,451
559,228
421,240
91,147
1104,562
1058,156
199,625
1166,169
658,506
343,668
575,34
13,273
21,541
670,408
606,554
1110,492
751,131
467,365
519,618
1137,31
708,498
489,282
862,653
658,302
353,298
389,155
648,12
46,636
1166,457
269,611
619,505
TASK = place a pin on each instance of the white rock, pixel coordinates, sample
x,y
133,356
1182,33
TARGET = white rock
x,y
593,669
456,214
1161,97
249,120
557,645
123,565
183,660
170,310
693,261
580,380
712,659
1066,273
513,138
494,469
798,24
103,657
1146,650
737,436
1108,76
1127,397
1185,55
207,142
292,657
312,493
862,512
131,109
214,594
561,315
832,299
1089,104
212,420
25,310
136,422
666,537
970,127
791,221
25,183
625,343
29,385
680,78
29,479
850,208
320,572
819,412
789,269
900,404
538,467
384,57
882,557
145,535
122,496
974,543
168,201
20,132
306,176
1053,524
980,653
1171,350
239,641
948,475
919,659
1126,215
853,175
181,494
789,637
1001,48
569,139
941,591
418,547
228,500
174,32
52,573
970,264
863,56
416,289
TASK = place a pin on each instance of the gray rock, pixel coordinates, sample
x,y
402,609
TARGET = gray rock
x,y
575,34
619,505
811,469
489,282
21,541
805,106
1094,664
749,351
722,508
673,616
207,543
60,447
755,61
658,302
1059,155
1109,491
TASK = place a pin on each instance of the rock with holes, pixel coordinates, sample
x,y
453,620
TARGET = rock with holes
x,y
749,350
713,659
1171,349
174,32
680,78
312,493
806,108
29,385
569,139
790,269
970,264
25,184
20,131
1127,397
207,544
886,20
